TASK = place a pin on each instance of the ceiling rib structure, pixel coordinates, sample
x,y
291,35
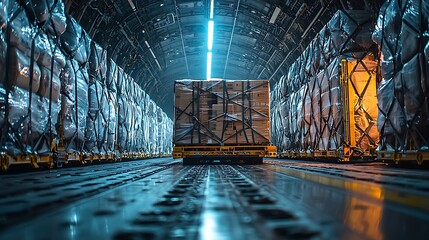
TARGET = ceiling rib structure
x,y
159,41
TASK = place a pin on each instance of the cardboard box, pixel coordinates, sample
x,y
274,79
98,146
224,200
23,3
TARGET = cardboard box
x,y
217,107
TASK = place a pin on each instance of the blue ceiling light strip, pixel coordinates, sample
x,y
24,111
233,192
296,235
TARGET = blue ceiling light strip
x,y
210,40
211,9
211,30
209,65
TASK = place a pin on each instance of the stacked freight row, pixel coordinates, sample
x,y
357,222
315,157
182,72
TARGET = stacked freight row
x,y
221,112
403,121
62,99
326,105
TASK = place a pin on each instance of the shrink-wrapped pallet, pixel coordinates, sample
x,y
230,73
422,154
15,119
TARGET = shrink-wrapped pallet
x,y
22,32
112,76
30,123
103,123
123,116
403,95
48,10
316,118
75,42
95,92
97,63
112,131
50,55
74,106
20,72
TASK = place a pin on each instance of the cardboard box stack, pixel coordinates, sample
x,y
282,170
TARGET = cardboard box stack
x,y
222,112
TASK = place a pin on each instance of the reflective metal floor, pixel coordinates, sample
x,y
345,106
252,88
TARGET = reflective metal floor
x,y
161,199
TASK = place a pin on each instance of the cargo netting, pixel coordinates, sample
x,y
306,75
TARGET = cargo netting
x,y
308,103
222,112
58,89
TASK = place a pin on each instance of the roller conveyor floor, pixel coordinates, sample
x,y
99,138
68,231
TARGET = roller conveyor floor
x,y
162,199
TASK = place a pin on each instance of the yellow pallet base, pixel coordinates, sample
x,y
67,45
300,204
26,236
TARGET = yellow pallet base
x,y
224,151
401,157
34,160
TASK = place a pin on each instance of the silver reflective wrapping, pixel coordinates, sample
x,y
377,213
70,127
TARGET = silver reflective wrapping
x,y
74,106
309,96
403,94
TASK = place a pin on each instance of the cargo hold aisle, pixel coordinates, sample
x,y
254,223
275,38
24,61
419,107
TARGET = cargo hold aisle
x,y
161,199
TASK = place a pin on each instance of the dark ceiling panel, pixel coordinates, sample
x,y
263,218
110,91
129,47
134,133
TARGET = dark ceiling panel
x,y
173,35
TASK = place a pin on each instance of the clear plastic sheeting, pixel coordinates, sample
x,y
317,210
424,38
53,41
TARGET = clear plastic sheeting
x,y
20,72
63,95
112,77
401,33
316,112
97,63
74,106
48,10
29,127
76,42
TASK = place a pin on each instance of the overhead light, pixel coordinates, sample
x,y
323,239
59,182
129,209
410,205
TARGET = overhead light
x,y
147,44
275,15
132,5
210,36
161,5
253,11
209,65
211,9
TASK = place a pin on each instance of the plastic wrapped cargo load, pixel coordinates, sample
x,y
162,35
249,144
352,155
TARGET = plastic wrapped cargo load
x,y
112,76
97,63
22,32
39,9
221,111
112,121
20,72
403,109
3,49
123,112
50,55
48,10
29,131
386,32
95,92
76,42
351,31
70,40
49,87
74,106
121,81
103,122
391,120
4,12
